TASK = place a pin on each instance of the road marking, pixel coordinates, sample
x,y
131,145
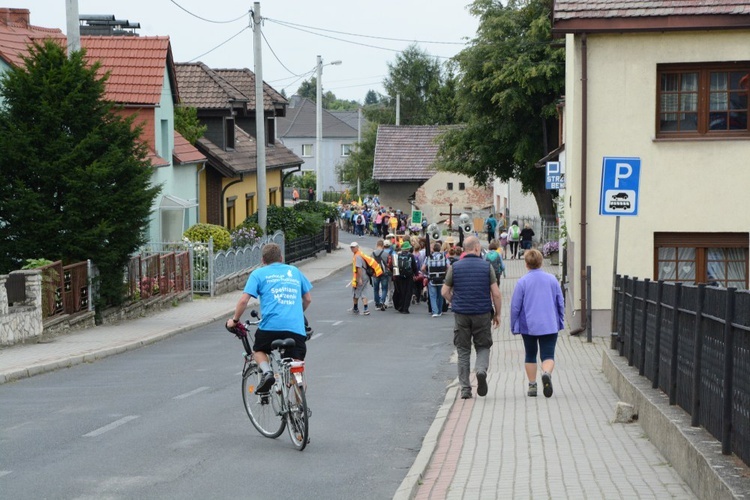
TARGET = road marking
x,y
5,472
113,425
238,374
337,323
191,393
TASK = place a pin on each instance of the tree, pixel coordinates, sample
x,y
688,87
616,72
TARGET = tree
x,y
309,89
371,98
359,164
511,78
74,181
187,124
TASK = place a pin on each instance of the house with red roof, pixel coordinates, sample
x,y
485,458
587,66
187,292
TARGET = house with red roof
x,y
142,81
225,103
662,85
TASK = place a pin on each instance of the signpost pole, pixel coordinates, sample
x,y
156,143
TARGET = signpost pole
x,y
613,328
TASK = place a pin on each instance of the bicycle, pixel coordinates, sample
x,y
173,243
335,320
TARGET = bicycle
x,y
285,404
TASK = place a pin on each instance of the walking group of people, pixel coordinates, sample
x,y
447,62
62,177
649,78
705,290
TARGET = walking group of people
x,y
511,238
466,280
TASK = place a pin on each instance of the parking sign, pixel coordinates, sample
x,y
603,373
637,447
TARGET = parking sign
x,y
554,178
620,180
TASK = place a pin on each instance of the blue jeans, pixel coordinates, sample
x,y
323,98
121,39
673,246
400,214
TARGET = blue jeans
x,y
436,299
380,285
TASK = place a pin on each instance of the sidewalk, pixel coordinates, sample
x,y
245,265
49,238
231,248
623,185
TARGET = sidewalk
x,y
26,360
508,445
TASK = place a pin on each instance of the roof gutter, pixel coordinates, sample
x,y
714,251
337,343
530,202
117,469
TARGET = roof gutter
x,y
584,176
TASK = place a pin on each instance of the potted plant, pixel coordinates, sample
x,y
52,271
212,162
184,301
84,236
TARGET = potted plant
x,y
551,249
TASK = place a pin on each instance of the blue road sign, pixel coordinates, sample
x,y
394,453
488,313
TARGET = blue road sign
x,y
620,180
555,178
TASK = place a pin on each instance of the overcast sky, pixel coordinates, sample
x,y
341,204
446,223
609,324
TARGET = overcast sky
x,y
362,67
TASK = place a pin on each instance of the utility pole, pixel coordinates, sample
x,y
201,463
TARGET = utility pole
x,y
319,132
73,25
260,121
398,109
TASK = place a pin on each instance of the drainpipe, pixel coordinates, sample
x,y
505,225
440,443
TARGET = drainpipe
x,y
584,175
223,192
198,192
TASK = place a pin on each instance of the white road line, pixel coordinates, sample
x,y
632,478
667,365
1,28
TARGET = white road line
x,y
113,425
238,374
191,393
337,323
5,472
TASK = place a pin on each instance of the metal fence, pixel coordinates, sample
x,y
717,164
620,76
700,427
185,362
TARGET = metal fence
x,y
152,274
693,343
545,228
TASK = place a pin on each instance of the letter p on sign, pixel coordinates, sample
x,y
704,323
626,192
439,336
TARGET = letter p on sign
x,y
622,171
620,180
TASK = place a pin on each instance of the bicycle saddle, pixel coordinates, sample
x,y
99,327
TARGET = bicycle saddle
x,y
283,344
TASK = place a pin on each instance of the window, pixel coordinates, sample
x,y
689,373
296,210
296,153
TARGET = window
x,y
715,258
273,196
231,214
346,149
307,150
228,133
707,100
450,186
164,151
461,186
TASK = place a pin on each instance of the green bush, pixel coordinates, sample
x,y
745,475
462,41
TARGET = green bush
x,y
245,234
202,232
294,222
327,210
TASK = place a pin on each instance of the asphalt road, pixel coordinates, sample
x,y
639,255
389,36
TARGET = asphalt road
x,y
167,421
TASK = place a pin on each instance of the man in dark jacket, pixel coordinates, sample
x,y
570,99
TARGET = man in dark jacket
x,y
403,268
471,288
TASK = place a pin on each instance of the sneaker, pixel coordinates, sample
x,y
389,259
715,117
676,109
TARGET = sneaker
x,y
266,382
465,393
532,390
547,384
365,311
435,315
481,384
355,311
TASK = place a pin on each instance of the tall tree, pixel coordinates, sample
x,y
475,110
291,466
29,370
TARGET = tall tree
x,y
74,181
187,124
417,77
511,78
371,97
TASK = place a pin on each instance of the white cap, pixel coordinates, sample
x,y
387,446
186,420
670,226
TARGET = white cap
x,y
354,244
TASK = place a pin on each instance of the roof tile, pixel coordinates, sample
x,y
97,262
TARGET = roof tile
x,y
184,152
603,9
406,153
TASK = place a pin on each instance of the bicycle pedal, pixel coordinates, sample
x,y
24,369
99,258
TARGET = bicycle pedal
x,y
264,400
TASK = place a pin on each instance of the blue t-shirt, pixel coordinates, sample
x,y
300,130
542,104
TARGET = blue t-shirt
x,y
280,288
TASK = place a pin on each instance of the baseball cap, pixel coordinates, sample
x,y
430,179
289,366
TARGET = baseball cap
x,y
354,244
386,243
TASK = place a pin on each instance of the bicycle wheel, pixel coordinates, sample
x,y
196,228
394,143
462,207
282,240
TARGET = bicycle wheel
x,y
297,416
264,410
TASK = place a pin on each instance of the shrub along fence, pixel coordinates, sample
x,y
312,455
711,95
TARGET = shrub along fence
x,y
693,343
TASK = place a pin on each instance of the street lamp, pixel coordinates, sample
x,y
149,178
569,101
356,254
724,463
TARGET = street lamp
x,y
319,129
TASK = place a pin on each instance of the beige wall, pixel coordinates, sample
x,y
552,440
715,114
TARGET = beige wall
x,y
685,186
433,197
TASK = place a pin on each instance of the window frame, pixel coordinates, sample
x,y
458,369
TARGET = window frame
x,y
311,153
449,186
701,243
703,111
229,133
348,151
462,186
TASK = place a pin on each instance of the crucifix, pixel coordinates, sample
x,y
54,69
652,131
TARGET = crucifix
x,y
450,216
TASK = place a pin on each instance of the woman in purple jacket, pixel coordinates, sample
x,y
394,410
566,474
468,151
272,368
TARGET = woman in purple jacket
x,y
537,313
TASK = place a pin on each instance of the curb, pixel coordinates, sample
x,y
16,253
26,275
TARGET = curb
x,y
693,453
76,359
411,483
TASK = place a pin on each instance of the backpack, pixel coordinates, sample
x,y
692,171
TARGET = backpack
x,y
360,220
379,258
437,267
515,233
489,226
404,265
496,261
372,268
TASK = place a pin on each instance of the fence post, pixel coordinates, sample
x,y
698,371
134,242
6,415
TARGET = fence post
x,y
211,266
657,333
644,321
675,344
697,354
89,281
621,328
588,304
726,428
631,347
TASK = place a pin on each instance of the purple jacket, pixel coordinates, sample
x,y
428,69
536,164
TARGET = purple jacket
x,y
537,306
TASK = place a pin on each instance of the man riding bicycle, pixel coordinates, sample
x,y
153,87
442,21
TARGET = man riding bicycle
x,y
284,294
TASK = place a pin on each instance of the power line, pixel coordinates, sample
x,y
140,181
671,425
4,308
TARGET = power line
x,y
209,20
343,40
222,43
287,23
277,57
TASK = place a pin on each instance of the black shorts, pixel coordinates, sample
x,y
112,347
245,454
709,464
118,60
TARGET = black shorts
x,y
263,341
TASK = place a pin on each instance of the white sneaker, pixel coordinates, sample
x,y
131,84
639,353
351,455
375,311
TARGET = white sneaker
x,y
435,315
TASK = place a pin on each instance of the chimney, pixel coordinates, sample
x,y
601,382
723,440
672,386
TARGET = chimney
x,y
17,17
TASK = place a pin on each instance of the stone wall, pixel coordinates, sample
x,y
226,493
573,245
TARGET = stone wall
x,y
21,322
